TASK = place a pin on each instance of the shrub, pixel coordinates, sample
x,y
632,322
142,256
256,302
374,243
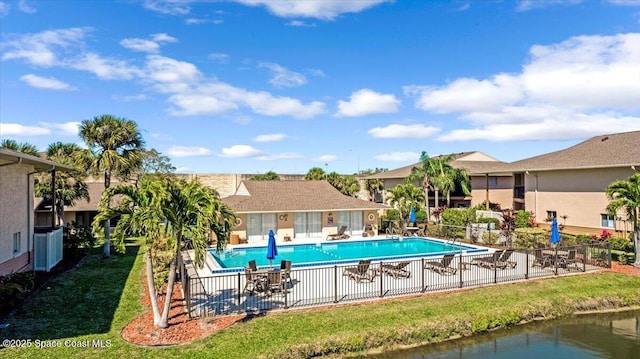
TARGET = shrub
x,y
495,221
14,288
76,236
458,216
392,214
490,238
421,216
620,244
529,237
522,219
623,258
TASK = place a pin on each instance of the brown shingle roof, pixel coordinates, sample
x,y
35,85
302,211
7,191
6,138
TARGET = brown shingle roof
x,y
614,150
274,196
95,194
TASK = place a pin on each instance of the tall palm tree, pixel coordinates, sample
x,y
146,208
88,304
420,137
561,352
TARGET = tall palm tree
x,y
460,178
347,185
70,185
424,173
625,195
23,147
315,174
374,186
114,147
163,207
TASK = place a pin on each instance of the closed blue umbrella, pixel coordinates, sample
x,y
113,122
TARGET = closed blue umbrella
x,y
555,233
412,215
272,250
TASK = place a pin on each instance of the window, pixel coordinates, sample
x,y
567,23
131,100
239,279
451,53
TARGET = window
x,y
493,181
607,221
551,215
16,242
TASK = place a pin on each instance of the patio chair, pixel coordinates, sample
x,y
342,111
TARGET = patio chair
x,y
570,258
540,259
443,266
254,283
252,265
274,282
396,270
339,235
285,270
491,262
360,272
505,259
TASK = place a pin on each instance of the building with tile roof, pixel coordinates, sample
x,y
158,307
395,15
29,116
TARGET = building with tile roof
x,y
298,209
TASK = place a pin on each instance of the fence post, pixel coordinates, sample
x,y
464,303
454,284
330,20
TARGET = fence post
x,y
381,282
555,260
187,290
526,273
460,269
239,293
335,284
495,269
424,288
609,254
584,257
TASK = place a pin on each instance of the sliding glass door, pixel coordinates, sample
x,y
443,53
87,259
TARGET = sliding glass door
x,y
259,225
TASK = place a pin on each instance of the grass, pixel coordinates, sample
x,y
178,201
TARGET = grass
x,y
95,301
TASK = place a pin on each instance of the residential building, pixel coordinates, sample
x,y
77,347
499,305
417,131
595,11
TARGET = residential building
x,y
298,209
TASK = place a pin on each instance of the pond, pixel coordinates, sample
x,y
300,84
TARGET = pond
x,y
612,335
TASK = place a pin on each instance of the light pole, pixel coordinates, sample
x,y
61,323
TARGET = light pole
x,y
326,171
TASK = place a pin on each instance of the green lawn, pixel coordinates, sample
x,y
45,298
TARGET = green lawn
x,y
95,301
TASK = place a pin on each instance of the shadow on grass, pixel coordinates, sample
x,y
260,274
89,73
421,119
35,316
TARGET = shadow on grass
x,y
81,301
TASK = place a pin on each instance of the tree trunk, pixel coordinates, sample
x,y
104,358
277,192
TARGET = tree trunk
x,y
106,250
636,245
164,320
152,288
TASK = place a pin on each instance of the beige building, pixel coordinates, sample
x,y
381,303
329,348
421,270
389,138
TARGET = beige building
x,y
17,250
297,209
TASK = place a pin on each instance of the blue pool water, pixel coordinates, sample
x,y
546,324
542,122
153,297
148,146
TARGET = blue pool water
x,y
340,252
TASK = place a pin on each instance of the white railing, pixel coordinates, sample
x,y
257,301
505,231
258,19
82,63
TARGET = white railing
x,y
47,249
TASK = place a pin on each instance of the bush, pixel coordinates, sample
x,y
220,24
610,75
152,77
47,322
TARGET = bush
x,y
458,216
490,238
14,288
522,219
529,237
392,214
495,221
421,216
620,244
76,236
623,258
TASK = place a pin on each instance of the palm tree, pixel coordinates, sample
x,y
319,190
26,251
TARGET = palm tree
x,y
405,196
163,207
424,174
625,195
70,185
460,178
347,185
374,186
315,174
114,148
269,176
23,147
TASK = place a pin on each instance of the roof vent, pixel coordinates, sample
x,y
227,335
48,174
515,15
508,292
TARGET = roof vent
x,y
604,138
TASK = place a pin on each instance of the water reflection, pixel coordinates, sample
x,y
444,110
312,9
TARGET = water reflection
x,y
615,335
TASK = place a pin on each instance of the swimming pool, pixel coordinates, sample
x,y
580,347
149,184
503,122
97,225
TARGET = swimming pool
x,y
339,252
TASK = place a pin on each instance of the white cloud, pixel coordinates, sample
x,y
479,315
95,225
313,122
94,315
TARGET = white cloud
x,y
219,57
104,68
525,5
326,158
625,2
4,9
320,9
584,81
282,77
274,137
163,37
144,45
65,128
315,72
300,23
49,83
399,157
279,156
26,8
366,102
41,49
404,131
186,151
168,7
130,98
164,70
240,151
15,129
183,169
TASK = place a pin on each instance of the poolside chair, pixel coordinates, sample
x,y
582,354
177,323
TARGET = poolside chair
x,y
396,270
252,265
285,270
570,258
491,262
360,272
254,283
443,266
540,259
274,282
339,235
505,259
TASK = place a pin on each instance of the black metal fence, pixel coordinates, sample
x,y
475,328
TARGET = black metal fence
x,y
317,286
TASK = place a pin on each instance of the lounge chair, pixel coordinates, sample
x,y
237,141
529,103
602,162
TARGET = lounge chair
x,y
339,235
396,270
505,259
540,259
491,262
443,266
360,272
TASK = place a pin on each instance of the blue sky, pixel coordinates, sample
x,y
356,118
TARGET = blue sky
x,y
250,86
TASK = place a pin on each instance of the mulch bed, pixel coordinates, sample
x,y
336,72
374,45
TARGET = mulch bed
x,y
183,330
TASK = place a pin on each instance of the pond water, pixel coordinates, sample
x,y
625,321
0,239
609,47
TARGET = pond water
x,y
613,335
